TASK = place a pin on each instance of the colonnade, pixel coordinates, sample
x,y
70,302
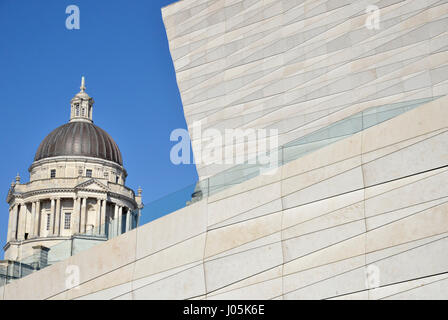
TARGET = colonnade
x,y
111,225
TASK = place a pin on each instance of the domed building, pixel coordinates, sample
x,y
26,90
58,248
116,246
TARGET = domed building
x,y
76,196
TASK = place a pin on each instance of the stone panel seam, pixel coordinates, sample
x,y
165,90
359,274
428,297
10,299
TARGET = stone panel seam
x,y
246,220
134,264
238,102
338,108
264,46
245,191
246,286
323,215
323,181
281,226
354,15
395,283
410,242
306,125
326,279
420,286
203,256
324,229
410,206
429,134
409,175
245,278
153,274
328,246
374,185
127,264
364,206
353,269
167,277
405,217
210,259
357,235
408,146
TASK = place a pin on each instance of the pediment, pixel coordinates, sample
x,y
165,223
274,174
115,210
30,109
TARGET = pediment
x,y
92,184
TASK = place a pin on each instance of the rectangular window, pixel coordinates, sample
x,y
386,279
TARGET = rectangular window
x,y
53,173
48,221
67,219
89,173
116,179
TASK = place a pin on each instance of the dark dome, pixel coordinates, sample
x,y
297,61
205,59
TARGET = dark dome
x,y
79,138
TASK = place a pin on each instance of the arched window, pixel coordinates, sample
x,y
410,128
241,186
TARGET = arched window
x,y
83,112
77,109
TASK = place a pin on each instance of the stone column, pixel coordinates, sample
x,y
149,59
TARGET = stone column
x,y
76,214
83,215
98,216
128,220
52,215
115,221
19,215
22,221
103,217
58,219
37,220
33,218
15,218
10,219
120,220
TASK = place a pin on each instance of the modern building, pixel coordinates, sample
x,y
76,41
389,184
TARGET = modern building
x,y
358,206
76,196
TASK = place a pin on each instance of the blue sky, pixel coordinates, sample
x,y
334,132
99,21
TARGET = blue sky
x,y
122,50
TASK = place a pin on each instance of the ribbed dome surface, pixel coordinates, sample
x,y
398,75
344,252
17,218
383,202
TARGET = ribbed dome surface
x,y
79,139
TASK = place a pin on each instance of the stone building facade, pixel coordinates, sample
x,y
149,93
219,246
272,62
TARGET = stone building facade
x,y
76,196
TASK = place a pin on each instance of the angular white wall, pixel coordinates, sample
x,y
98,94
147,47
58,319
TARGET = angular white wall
x,y
299,65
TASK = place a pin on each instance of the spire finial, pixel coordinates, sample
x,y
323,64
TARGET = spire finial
x,y
83,84
81,104
18,178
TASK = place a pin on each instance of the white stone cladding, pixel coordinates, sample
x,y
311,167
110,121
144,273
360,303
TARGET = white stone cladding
x,y
299,65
